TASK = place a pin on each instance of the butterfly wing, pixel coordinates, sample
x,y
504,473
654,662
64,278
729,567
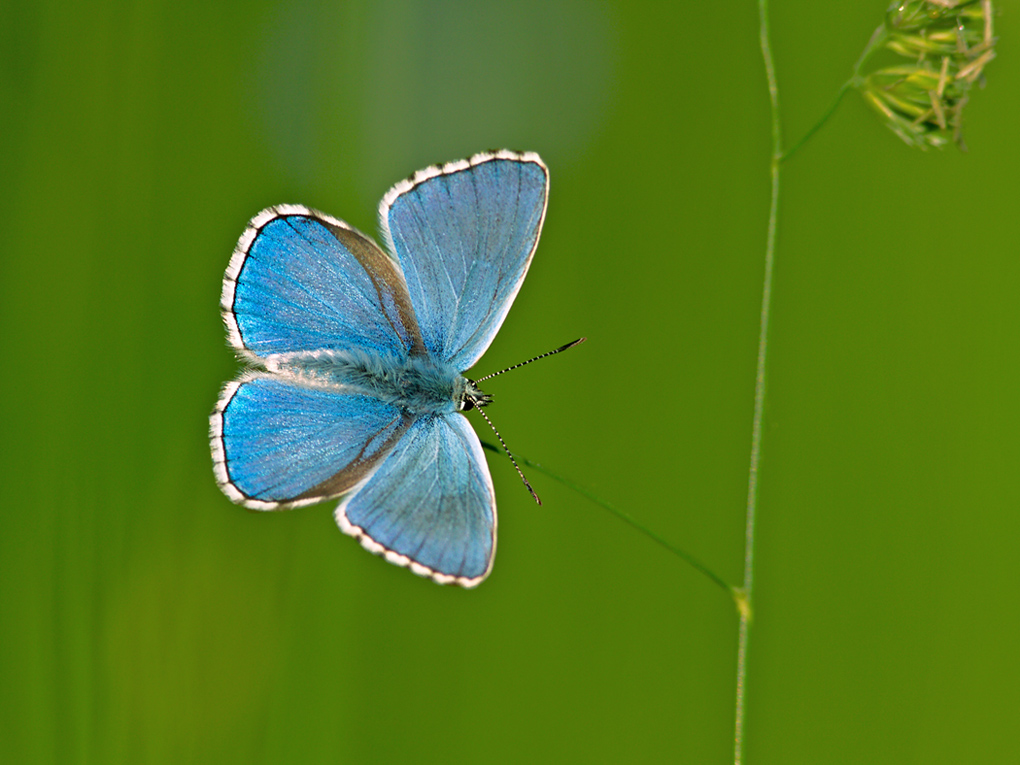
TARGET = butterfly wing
x,y
283,443
464,234
300,280
430,505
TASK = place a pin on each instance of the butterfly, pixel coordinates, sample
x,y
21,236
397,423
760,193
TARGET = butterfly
x,y
354,387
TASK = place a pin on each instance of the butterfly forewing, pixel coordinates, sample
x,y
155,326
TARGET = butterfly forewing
x,y
464,234
300,280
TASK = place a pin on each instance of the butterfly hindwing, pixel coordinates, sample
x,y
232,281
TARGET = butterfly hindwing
x,y
277,443
300,280
430,505
464,234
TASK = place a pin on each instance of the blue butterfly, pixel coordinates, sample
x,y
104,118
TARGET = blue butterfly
x,y
354,387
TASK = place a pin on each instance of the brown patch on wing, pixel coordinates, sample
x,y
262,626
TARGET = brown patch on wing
x,y
361,467
388,282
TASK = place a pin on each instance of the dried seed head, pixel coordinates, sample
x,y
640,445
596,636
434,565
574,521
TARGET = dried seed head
x,y
948,43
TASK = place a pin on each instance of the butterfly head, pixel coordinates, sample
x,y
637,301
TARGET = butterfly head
x,y
472,397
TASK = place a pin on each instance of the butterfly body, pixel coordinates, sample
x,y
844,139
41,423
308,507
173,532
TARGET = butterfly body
x,y
417,384
356,356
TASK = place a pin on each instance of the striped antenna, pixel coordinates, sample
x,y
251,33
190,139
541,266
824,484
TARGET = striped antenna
x,y
549,353
480,404
520,472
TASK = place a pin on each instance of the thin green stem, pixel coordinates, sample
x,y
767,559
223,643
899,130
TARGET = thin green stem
x,y
745,595
878,38
747,591
825,118
682,554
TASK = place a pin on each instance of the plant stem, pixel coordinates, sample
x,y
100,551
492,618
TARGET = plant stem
x,y
747,591
682,554
878,38
745,595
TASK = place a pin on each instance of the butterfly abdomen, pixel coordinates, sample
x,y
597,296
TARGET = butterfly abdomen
x,y
418,385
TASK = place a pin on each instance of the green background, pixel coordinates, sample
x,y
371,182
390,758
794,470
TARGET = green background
x,y
143,618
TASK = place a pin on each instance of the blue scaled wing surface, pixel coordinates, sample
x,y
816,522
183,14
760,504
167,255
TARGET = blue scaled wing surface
x,y
464,234
300,280
430,506
283,442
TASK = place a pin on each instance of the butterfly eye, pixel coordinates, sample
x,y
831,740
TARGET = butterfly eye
x,y
473,397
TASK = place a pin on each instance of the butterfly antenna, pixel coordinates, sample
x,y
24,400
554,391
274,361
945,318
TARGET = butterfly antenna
x,y
517,366
487,399
503,444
